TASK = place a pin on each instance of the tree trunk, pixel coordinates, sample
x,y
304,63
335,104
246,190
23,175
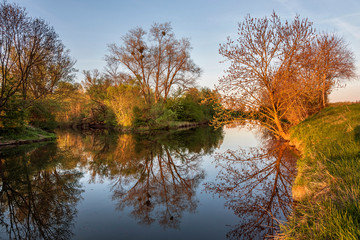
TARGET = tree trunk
x,y
280,130
324,92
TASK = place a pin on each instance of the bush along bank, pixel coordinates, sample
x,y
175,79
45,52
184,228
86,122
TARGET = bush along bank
x,y
187,109
327,187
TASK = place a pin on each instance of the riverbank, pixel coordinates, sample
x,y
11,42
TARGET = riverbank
x,y
30,134
25,136
172,125
327,186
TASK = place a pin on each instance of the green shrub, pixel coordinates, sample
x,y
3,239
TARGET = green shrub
x,y
165,117
13,116
155,116
140,117
190,107
41,114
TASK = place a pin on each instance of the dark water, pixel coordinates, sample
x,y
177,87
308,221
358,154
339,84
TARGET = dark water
x,y
231,183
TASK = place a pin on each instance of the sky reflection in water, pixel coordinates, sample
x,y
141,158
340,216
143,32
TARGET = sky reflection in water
x,y
163,185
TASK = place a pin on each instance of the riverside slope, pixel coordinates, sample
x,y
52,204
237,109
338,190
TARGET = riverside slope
x,y
327,187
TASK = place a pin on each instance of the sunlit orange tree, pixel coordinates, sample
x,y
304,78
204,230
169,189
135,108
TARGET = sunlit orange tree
x,y
272,74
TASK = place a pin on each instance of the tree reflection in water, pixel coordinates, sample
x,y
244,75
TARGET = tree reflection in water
x,y
164,185
153,175
38,194
256,184
160,180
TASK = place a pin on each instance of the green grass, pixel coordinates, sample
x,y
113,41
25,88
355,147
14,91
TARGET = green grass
x,y
327,186
168,125
25,133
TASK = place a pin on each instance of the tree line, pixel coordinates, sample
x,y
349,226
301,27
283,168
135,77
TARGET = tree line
x,y
280,73
149,80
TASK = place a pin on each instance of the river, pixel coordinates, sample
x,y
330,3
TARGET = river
x,y
201,183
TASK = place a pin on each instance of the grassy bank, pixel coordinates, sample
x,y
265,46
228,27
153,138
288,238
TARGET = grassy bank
x,y
25,135
327,187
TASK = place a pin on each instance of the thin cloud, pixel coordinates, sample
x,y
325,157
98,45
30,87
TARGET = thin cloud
x,y
291,6
348,26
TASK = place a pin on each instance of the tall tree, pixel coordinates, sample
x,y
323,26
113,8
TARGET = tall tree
x,y
31,55
260,70
58,67
330,62
273,69
157,65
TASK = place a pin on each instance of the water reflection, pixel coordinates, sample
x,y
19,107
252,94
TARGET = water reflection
x,y
256,184
154,178
154,175
39,193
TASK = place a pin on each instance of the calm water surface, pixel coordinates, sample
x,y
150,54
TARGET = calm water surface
x,y
231,183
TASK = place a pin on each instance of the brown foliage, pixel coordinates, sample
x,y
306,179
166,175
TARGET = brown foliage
x,y
280,72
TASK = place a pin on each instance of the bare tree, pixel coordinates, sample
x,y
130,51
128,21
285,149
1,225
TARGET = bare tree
x,y
115,75
92,78
261,61
328,61
157,65
58,67
14,25
276,69
29,50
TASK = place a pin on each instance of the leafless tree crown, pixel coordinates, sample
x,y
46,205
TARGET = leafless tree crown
x,y
156,60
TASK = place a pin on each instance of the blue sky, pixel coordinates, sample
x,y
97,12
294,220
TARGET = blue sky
x,y
86,27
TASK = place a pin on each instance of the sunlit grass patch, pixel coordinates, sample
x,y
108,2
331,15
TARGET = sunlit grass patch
x,y
329,171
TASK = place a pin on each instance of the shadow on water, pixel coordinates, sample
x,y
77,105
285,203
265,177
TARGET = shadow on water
x,y
155,175
256,184
39,193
